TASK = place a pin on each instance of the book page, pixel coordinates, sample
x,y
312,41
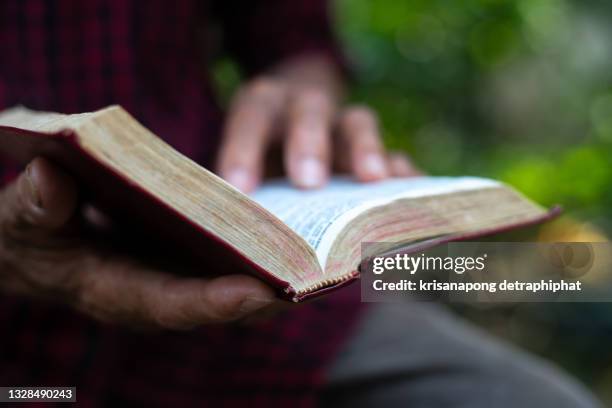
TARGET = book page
x,y
318,216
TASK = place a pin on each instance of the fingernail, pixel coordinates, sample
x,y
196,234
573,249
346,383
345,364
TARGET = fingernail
x,y
251,304
375,166
241,179
31,192
310,173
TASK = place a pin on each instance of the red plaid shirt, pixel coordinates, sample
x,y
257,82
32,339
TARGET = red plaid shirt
x,y
151,57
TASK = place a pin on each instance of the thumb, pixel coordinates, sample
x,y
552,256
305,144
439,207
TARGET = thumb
x,y
43,196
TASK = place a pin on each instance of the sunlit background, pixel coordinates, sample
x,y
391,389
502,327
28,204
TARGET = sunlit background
x,y
515,90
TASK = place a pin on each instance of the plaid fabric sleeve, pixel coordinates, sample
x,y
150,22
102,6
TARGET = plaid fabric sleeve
x,y
260,34
8,173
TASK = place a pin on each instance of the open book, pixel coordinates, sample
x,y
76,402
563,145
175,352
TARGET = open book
x,y
301,242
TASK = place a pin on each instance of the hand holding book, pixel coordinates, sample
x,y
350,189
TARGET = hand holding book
x,y
47,252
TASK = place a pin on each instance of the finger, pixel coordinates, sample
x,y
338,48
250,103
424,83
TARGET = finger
x,y
42,197
247,131
359,130
401,166
129,293
307,151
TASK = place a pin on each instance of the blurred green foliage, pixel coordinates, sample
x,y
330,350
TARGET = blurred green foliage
x,y
519,90
516,90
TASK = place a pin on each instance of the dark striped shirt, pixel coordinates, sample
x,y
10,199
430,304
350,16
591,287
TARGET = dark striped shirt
x,y
152,58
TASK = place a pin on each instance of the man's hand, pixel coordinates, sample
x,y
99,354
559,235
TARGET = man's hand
x,y
297,105
44,253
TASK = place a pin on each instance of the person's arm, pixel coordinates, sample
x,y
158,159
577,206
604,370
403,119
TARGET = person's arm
x,y
45,252
293,98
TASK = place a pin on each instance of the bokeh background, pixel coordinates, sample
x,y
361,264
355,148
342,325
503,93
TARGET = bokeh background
x,y
518,90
